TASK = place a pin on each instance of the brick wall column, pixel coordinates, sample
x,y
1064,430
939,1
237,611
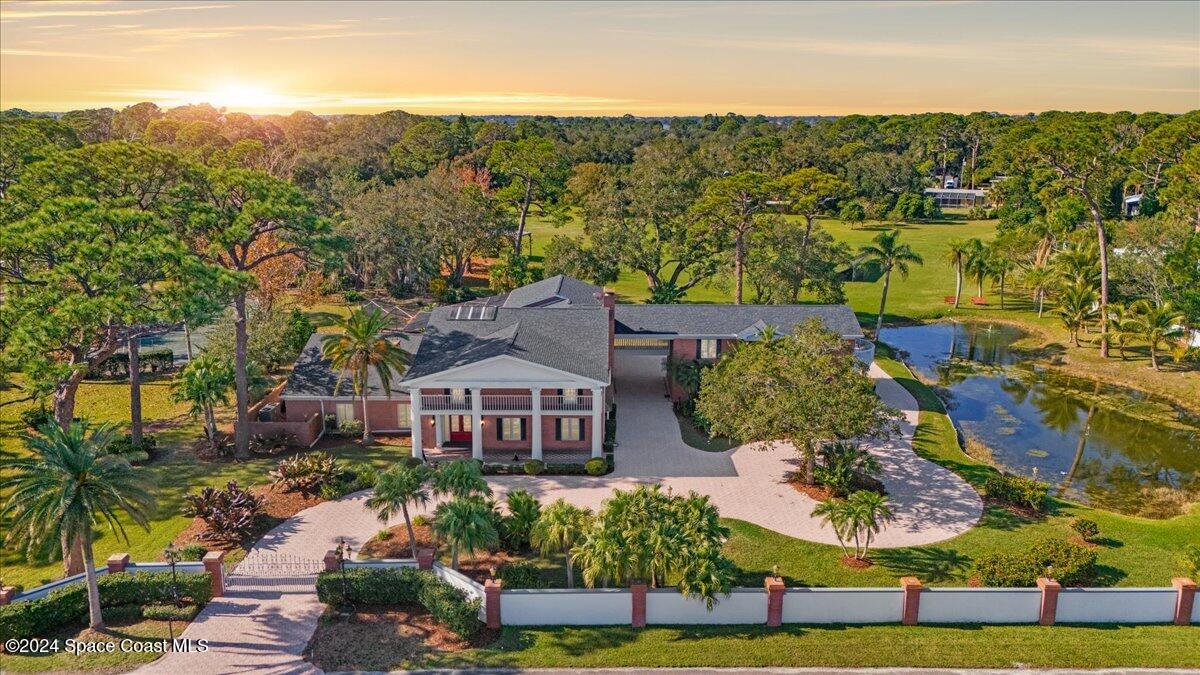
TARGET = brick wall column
x,y
1049,606
425,558
214,564
637,599
775,589
1185,600
7,594
117,562
331,560
491,602
911,586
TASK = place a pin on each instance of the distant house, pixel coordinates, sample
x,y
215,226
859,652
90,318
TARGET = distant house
x,y
529,372
1133,205
957,198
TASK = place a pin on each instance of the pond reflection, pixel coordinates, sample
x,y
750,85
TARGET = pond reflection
x,y
1112,447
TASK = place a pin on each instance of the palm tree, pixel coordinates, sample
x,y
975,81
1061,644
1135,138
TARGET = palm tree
x,y
459,479
977,264
1123,326
957,254
69,485
205,382
836,514
468,524
1156,323
999,266
395,489
361,348
1039,280
889,254
871,513
559,528
1076,304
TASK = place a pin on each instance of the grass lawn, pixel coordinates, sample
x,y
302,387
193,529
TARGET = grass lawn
x,y
1133,551
144,634
699,439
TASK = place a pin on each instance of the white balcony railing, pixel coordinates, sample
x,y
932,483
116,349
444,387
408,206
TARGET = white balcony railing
x,y
444,403
493,402
571,403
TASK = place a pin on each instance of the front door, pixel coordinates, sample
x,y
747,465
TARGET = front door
x,y
460,427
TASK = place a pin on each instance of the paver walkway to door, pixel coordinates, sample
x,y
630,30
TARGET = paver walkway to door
x,y
266,631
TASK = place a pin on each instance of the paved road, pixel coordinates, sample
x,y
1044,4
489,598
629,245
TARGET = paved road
x,y
267,631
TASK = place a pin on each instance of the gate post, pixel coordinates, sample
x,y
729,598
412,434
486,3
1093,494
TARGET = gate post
x,y
331,561
491,602
7,593
911,587
117,562
214,564
1185,600
425,558
638,598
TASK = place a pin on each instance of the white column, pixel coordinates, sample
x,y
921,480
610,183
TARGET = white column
x,y
414,398
597,423
477,423
439,429
536,431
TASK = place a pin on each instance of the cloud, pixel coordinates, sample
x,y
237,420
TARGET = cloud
x,y
332,36
64,55
17,14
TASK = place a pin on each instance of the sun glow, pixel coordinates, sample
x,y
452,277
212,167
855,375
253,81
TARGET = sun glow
x,y
246,96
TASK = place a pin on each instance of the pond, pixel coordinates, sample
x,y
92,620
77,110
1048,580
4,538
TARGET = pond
x,y
1108,446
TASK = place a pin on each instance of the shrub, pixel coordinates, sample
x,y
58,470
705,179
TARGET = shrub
x,y
121,614
534,467
421,520
305,473
978,213
450,607
34,418
384,535
169,612
844,466
1190,561
1087,529
229,513
192,552
350,428
403,586
68,606
297,330
523,512
330,420
353,296
1017,490
135,453
596,466
1070,564
272,443
520,575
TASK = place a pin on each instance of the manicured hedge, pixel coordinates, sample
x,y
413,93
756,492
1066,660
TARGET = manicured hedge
x,y
69,605
403,586
1069,564
1017,490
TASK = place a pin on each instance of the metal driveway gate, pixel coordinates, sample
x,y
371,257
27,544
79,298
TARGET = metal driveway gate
x,y
275,572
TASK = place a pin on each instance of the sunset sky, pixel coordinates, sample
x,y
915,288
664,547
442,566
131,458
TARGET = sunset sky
x,y
603,58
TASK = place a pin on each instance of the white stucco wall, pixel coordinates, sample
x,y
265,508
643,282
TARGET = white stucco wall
x,y
1116,605
669,606
569,607
980,605
842,605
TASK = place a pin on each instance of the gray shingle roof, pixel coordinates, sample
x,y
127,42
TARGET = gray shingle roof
x,y
728,320
313,376
557,291
567,338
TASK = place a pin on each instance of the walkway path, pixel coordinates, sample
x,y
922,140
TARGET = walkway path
x,y
267,631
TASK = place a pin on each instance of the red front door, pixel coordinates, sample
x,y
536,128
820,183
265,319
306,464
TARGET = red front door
x,y
460,427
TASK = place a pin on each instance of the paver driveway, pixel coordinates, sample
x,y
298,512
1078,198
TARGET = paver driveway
x,y
267,631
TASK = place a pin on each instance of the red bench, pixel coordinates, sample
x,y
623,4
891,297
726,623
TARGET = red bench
x,y
949,299
979,300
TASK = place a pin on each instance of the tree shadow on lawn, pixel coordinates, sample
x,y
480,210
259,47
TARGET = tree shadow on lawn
x,y
580,640
927,563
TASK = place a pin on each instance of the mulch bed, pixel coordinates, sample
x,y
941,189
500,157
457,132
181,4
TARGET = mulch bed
x,y
385,639
856,563
818,493
278,506
1083,542
397,546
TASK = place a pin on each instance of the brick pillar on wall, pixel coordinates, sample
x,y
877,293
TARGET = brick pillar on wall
x,y
1185,601
425,558
7,594
638,604
491,602
331,560
775,590
1049,605
911,587
214,564
117,562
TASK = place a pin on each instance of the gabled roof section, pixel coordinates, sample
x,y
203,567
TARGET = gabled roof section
x,y
570,339
728,321
557,291
313,376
